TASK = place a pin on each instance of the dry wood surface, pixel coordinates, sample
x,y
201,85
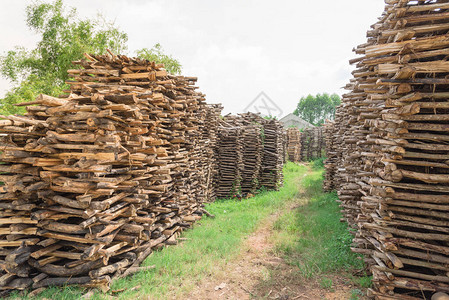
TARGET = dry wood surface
x,y
388,152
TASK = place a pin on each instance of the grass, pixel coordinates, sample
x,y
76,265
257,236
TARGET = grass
x,y
356,294
326,283
312,237
208,246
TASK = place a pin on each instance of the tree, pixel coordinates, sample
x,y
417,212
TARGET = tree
x,y
63,38
316,109
156,54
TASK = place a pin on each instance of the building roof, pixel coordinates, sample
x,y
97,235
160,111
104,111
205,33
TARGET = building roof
x,y
293,120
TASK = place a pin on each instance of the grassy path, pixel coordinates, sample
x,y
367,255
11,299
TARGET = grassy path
x,y
298,252
315,246
210,245
290,239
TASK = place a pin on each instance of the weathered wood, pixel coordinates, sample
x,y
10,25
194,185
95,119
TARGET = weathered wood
x,y
387,151
294,144
97,178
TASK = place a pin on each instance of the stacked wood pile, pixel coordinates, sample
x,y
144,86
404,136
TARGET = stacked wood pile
x,y
249,150
252,157
331,161
285,151
272,176
96,180
230,161
392,144
209,141
312,143
293,144
244,155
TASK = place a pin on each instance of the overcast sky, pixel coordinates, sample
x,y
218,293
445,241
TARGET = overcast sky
x,y
236,48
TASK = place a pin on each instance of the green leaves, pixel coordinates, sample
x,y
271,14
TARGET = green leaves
x,y
26,91
156,54
316,109
64,38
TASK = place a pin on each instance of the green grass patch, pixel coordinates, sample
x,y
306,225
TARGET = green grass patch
x,y
318,164
326,283
356,294
312,237
209,245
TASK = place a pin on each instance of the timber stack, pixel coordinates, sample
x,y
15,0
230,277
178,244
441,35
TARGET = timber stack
x,y
230,161
95,180
251,150
331,161
210,140
252,158
247,159
294,144
312,143
285,150
392,145
272,176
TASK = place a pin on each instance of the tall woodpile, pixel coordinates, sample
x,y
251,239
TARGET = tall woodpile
x,y
244,155
294,144
250,152
96,180
209,140
331,161
312,143
252,157
392,145
272,176
285,139
230,161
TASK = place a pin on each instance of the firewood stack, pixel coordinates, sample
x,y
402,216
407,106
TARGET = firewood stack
x,y
95,180
230,161
209,140
252,149
284,150
272,176
392,142
252,158
294,144
312,143
247,160
331,161
348,145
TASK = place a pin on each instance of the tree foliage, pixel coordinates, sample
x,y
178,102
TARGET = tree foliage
x,y
63,38
157,54
316,109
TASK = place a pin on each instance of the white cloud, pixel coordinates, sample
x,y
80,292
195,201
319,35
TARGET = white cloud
x,y
236,48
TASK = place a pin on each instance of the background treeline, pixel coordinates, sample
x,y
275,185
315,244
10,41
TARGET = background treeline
x,y
317,109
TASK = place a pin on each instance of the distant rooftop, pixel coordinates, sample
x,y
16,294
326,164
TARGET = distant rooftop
x,y
293,120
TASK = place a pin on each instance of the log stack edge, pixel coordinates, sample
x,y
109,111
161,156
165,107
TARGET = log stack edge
x,y
389,151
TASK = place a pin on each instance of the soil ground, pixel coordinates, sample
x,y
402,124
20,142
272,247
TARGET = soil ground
x,y
257,273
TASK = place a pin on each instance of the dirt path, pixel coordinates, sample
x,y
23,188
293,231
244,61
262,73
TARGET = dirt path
x,y
258,274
